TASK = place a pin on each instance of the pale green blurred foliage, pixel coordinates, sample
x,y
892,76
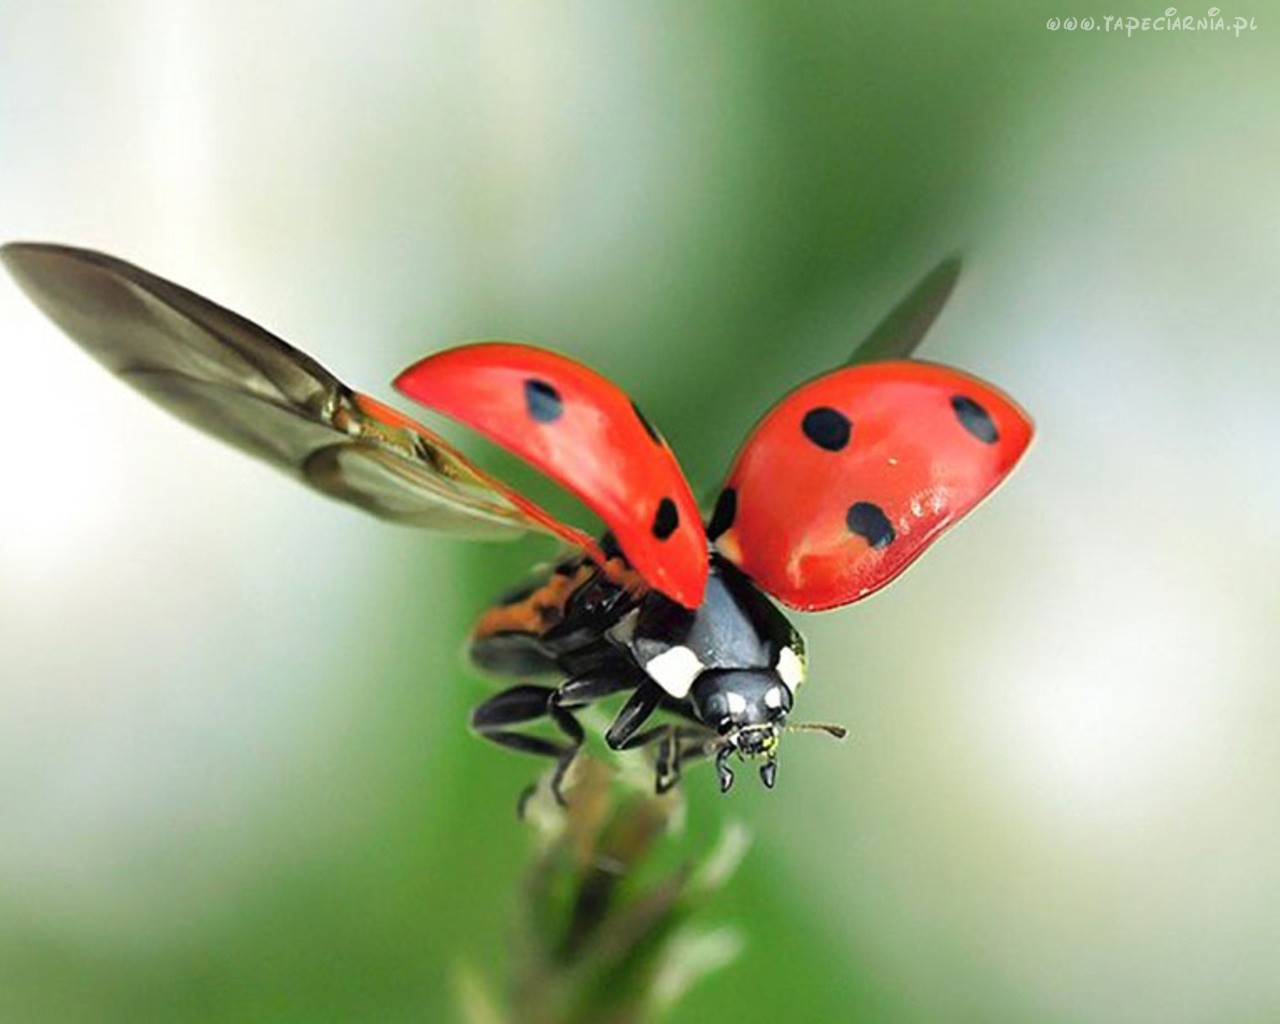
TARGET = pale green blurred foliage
x,y
611,925
237,781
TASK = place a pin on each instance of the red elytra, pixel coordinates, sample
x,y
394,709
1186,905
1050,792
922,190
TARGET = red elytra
x,y
847,480
585,434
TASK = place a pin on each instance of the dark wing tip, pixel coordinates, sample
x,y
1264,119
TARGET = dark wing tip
x,y
40,265
16,254
899,334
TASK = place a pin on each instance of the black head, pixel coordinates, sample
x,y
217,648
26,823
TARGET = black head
x,y
748,708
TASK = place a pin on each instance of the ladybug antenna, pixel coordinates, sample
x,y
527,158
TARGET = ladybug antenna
x,y
838,732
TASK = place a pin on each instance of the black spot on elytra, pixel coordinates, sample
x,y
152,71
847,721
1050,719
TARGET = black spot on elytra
x,y
542,401
827,428
870,523
975,419
666,519
644,422
726,511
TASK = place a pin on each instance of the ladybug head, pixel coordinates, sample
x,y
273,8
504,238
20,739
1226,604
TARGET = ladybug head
x,y
749,708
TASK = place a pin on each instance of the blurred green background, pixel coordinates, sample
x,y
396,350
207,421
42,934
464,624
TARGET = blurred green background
x,y
236,780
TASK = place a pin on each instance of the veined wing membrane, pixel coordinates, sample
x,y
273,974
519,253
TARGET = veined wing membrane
x,y
238,382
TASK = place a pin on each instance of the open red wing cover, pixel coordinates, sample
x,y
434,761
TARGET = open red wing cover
x,y
849,478
586,435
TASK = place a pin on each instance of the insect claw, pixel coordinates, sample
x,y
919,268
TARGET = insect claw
x,y
557,788
723,770
522,802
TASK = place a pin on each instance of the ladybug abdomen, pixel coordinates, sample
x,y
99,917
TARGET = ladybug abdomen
x,y
537,628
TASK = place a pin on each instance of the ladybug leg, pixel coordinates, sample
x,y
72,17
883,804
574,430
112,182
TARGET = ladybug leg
x,y
578,692
527,703
676,746
523,703
679,747
571,728
723,770
660,734
535,745
589,687
645,738
665,736
635,712
668,761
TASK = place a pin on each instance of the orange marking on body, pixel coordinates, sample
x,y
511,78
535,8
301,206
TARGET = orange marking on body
x,y
618,571
544,608
537,612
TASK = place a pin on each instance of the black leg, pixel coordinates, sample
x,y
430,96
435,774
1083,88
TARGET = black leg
x,y
635,712
665,736
589,687
696,743
645,738
516,706
722,768
571,728
667,765
677,746
523,703
682,746
527,703
578,692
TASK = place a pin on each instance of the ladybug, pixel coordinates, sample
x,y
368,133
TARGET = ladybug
x,y
838,488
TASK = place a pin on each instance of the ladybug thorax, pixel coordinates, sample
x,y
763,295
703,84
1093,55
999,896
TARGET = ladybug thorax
x,y
735,657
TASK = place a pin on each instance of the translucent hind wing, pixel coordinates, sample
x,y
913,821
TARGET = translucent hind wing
x,y
239,382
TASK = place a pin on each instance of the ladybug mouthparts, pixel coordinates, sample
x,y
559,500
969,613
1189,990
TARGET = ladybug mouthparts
x,y
756,740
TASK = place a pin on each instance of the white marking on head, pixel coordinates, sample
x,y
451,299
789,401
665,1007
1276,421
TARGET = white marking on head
x,y
773,697
790,668
675,670
736,702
